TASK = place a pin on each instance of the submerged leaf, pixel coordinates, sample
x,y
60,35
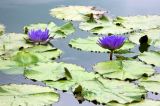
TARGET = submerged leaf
x,y
123,69
54,30
30,95
76,13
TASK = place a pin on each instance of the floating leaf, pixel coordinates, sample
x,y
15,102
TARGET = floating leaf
x,y
150,58
77,76
30,95
76,13
125,69
139,22
44,53
12,42
90,44
152,34
151,83
2,29
103,26
104,91
10,67
54,30
145,102
49,71
25,58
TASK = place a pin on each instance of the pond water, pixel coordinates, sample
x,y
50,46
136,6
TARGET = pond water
x,y
17,13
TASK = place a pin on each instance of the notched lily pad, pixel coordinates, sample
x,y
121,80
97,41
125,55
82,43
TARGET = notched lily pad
x,y
30,95
152,34
103,26
44,53
49,71
90,44
150,58
145,102
125,69
77,76
2,29
54,30
76,13
139,22
151,83
12,42
104,91
17,63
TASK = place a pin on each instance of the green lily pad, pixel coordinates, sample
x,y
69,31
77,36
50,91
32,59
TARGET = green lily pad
x,y
150,58
49,71
17,63
77,76
151,83
125,69
12,42
152,34
103,26
54,30
90,44
145,102
76,13
44,53
30,95
2,29
10,67
25,58
104,91
139,22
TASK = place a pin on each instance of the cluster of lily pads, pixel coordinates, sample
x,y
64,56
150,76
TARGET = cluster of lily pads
x,y
120,82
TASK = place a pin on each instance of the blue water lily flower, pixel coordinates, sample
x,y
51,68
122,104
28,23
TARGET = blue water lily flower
x,y
38,35
112,42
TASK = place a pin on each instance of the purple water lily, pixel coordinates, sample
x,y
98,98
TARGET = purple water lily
x,y
38,35
112,42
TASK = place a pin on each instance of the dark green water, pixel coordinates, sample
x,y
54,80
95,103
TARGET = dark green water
x,y
15,14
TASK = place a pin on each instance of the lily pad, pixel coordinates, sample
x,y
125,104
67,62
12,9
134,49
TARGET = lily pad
x,y
104,91
150,58
10,67
17,63
125,69
103,26
49,71
44,53
76,77
152,34
76,13
151,83
90,44
54,30
12,42
139,22
145,102
30,95
2,29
